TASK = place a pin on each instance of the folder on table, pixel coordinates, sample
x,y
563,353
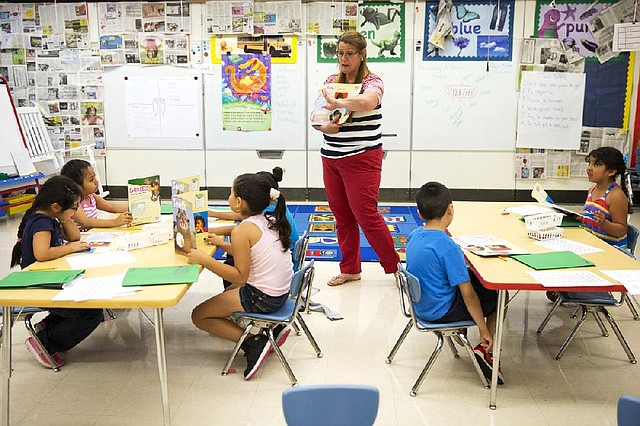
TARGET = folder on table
x,y
161,275
552,260
43,278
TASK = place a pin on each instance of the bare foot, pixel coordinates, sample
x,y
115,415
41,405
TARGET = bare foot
x,y
342,279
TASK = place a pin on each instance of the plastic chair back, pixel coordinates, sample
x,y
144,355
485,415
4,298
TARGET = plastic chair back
x,y
632,238
335,405
410,292
300,251
628,410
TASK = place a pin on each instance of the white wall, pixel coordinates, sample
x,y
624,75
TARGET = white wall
x,y
403,167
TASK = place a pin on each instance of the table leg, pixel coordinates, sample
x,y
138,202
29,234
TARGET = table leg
x,y
162,363
497,346
7,313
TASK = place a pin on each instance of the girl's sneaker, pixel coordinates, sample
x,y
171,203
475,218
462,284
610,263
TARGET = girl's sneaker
x,y
256,349
39,353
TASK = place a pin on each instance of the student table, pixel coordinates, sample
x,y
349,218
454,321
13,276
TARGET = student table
x,y
502,274
155,297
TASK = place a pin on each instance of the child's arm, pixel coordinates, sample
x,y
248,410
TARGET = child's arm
x,y
43,251
213,239
86,222
221,230
70,231
226,215
241,247
618,209
110,206
472,303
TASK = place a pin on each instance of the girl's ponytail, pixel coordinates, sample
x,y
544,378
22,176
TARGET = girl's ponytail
x,y
16,252
281,223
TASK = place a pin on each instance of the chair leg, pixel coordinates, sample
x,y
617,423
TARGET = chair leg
x,y
618,333
574,315
603,329
283,360
247,329
576,327
631,302
296,329
312,339
469,349
548,317
429,364
395,348
110,313
452,346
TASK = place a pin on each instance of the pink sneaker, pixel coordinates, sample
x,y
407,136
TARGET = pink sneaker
x,y
39,353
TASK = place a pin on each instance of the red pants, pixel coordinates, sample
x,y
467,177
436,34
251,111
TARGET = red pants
x,y
352,185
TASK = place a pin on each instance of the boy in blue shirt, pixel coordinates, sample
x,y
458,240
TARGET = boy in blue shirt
x,y
437,261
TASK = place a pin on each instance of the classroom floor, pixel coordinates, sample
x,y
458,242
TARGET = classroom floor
x,y
111,378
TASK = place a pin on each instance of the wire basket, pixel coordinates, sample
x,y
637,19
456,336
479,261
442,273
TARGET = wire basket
x,y
142,239
543,221
159,227
545,234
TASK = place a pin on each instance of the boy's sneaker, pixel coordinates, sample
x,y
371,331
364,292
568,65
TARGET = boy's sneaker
x,y
485,360
39,353
552,296
256,348
39,326
280,333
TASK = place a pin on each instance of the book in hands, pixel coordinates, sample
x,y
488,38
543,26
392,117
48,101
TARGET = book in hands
x,y
321,115
43,279
144,199
487,245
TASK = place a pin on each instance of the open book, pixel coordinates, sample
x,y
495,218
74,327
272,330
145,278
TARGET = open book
x,y
321,115
487,245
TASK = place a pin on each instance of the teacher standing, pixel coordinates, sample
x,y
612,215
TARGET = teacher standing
x,y
352,162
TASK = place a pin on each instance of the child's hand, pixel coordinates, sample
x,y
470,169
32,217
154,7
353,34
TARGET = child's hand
x,y
486,340
214,240
77,246
124,218
599,218
197,257
213,214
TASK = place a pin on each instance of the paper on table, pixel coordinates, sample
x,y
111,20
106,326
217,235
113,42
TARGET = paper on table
x,y
100,259
564,244
487,245
630,279
100,288
568,279
528,210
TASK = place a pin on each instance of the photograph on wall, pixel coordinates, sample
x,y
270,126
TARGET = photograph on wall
x,y
283,49
246,92
382,24
478,31
151,50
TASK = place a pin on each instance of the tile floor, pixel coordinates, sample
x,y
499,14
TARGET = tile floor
x,y
111,378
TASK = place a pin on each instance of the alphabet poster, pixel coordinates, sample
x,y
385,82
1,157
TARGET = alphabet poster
x,y
480,31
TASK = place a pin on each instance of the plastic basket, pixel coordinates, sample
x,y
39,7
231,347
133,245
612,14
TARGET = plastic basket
x,y
142,239
545,234
166,226
542,221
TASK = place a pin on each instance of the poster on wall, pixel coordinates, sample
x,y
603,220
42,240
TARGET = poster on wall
x,y
382,24
481,31
246,92
282,48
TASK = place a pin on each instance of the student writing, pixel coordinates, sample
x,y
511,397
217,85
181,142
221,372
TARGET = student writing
x,y
435,259
41,235
82,173
261,273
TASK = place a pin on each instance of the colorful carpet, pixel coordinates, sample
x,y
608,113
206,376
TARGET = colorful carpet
x,y
320,224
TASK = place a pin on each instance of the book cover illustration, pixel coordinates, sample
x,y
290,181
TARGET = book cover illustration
x,y
321,115
198,203
487,245
184,230
144,199
186,184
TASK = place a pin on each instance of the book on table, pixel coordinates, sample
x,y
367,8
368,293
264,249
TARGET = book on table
x,y
487,245
321,115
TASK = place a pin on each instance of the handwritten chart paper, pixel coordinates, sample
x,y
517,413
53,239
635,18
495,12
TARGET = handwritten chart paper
x,y
162,107
626,37
550,110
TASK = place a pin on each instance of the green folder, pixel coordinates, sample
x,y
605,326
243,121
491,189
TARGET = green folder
x,y
570,222
161,275
44,278
552,260
166,209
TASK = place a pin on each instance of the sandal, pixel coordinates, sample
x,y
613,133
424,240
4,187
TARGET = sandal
x,y
343,279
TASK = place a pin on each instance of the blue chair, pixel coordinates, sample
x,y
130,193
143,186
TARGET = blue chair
x,y
300,251
628,410
594,303
632,241
334,405
410,293
288,313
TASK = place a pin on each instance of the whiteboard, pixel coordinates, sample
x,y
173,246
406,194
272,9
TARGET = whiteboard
x,y
460,106
550,114
288,115
133,92
11,136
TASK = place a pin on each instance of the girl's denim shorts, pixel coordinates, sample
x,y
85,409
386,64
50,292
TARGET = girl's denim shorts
x,y
254,300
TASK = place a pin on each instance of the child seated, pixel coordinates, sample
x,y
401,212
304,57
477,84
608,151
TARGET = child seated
x,y
81,172
435,259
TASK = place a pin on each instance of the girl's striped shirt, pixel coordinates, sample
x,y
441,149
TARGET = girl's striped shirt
x,y
600,205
